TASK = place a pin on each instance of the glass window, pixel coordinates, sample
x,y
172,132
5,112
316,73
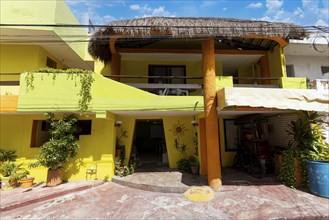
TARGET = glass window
x,y
290,71
176,74
325,69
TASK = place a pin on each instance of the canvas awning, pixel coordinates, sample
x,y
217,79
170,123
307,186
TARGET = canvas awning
x,y
293,99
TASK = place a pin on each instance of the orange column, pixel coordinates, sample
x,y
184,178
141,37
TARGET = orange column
x,y
203,146
212,138
265,69
116,66
115,59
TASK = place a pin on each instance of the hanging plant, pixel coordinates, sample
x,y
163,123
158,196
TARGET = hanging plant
x,y
86,81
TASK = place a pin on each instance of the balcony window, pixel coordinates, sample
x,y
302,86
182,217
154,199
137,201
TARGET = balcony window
x,y
324,69
165,71
51,63
290,71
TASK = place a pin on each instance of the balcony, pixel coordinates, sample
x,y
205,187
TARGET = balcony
x,y
196,89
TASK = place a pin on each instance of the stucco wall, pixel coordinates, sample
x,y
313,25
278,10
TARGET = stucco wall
x,y
96,150
308,66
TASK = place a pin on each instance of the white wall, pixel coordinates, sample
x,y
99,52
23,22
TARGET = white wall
x,y
308,66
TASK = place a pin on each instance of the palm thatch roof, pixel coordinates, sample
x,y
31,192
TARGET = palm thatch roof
x,y
151,28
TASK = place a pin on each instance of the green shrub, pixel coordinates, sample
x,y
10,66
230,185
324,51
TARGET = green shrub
x,y
183,165
62,145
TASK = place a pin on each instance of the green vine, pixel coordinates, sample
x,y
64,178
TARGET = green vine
x,y
86,80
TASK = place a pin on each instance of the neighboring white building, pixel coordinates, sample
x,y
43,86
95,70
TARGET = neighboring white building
x,y
309,57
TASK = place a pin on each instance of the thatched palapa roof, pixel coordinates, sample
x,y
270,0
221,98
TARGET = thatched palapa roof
x,y
172,27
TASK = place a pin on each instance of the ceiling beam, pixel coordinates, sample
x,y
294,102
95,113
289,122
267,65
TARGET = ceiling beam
x,y
189,51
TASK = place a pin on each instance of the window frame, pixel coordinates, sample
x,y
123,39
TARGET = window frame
x,y
226,136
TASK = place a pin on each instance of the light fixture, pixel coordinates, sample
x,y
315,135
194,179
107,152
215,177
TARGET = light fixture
x,y
194,122
118,124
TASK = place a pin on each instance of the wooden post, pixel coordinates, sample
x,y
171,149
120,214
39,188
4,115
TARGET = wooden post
x,y
212,137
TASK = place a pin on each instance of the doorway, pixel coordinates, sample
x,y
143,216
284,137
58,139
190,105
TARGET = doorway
x,y
149,143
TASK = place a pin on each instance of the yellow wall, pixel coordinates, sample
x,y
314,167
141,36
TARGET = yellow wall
x,y
16,59
128,124
277,62
44,12
293,83
96,150
245,71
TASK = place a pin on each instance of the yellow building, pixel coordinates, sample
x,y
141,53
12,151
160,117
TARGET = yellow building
x,y
164,82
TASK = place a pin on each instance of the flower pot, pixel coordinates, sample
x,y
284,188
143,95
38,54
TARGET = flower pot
x,y
117,152
194,169
55,176
27,182
318,175
298,172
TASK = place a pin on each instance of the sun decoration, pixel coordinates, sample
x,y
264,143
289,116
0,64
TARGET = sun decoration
x,y
178,129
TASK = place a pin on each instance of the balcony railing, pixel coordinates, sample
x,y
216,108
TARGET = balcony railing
x,y
195,89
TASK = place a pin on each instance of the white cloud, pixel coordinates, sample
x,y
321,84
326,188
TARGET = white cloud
x,y
141,8
224,9
320,22
135,7
299,12
255,5
160,12
206,4
273,5
91,13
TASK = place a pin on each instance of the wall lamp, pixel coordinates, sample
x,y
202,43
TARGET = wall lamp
x,y
194,122
118,124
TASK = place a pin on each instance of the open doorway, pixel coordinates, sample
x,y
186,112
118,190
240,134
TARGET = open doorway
x,y
149,143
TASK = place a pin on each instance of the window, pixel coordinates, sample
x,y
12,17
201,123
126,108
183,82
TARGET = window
x,y
40,131
290,71
324,69
174,71
231,135
51,63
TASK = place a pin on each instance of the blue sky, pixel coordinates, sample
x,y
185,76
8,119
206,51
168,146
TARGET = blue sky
x,y
302,12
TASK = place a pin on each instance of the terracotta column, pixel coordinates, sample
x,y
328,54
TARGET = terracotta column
x,y
115,59
116,66
212,138
265,69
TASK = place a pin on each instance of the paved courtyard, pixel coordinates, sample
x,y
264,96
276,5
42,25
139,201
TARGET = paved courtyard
x,y
234,201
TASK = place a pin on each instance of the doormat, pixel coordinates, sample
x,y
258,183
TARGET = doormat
x,y
199,194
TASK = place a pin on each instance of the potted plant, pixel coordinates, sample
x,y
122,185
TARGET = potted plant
x,y
194,164
62,146
119,147
13,173
305,145
318,165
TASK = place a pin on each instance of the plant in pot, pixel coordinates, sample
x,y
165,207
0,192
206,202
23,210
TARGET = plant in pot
x,y
13,172
306,144
62,146
119,147
194,164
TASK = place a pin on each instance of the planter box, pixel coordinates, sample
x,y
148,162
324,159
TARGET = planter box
x,y
55,177
27,182
318,174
